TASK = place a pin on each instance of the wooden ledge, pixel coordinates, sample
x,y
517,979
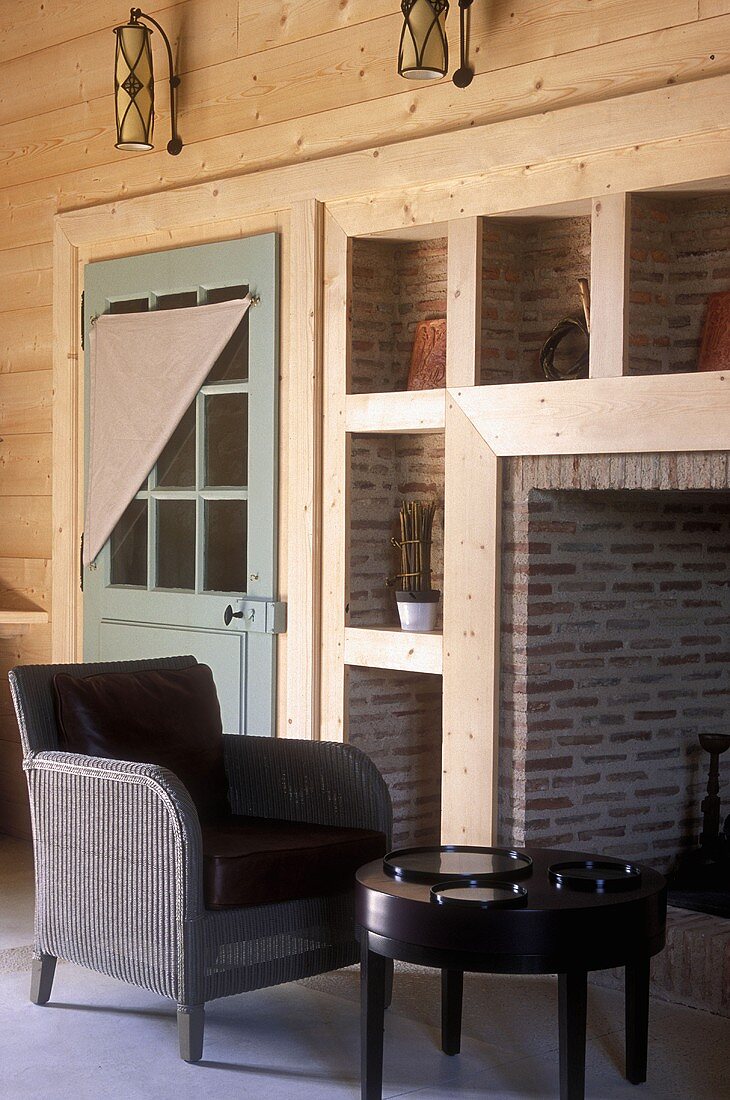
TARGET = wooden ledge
x,y
389,647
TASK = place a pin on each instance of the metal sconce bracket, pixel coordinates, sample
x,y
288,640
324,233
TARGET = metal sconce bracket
x,y
464,74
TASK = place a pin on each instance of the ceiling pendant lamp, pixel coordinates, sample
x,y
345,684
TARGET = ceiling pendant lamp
x,y
424,52
134,85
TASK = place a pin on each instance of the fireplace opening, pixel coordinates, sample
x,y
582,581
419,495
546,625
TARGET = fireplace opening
x,y
616,662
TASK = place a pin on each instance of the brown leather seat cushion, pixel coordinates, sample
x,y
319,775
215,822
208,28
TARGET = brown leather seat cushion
x,y
168,717
256,861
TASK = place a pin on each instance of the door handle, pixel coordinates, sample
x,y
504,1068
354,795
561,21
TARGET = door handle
x,y
230,614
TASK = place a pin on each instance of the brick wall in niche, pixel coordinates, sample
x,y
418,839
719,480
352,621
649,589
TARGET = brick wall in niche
x,y
395,717
680,254
530,272
616,653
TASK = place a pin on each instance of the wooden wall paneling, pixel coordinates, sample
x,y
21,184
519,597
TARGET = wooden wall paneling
x,y
406,115
610,247
25,465
304,426
26,276
25,340
681,412
25,402
464,302
335,479
472,550
25,531
709,8
562,144
77,69
66,452
346,66
406,412
25,582
24,644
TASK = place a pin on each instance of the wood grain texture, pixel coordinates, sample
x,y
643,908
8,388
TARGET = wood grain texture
x,y
609,311
304,479
472,540
681,412
404,412
464,297
335,480
26,528
25,340
25,583
25,465
25,402
373,647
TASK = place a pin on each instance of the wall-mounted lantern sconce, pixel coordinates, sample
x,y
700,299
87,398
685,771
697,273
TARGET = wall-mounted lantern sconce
x,y
134,85
423,53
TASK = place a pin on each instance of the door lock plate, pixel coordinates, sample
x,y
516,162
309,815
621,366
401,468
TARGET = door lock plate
x,y
258,616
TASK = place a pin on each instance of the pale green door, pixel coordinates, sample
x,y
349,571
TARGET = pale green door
x,y
191,566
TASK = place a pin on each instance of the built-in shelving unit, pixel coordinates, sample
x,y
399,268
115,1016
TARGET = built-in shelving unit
x,y
502,282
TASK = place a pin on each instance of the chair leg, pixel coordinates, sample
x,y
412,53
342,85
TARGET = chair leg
x,y
190,1026
41,979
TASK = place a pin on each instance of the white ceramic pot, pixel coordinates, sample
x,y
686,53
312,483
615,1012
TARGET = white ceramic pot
x,y
418,611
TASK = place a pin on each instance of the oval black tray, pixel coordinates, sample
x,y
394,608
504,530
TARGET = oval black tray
x,y
467,862
596,874
473,893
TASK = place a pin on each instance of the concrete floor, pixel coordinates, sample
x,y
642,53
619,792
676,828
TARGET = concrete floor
x,y
100,1040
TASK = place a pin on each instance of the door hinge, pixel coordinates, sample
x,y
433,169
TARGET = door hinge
x,y
83,321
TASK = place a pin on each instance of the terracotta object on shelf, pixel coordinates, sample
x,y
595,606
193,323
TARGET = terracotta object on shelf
x,y
715,347
428,359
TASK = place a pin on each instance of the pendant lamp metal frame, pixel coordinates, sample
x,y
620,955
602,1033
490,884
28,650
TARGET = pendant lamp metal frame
x,y
411,34
139,18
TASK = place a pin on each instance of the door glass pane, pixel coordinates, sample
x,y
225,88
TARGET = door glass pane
x,y
129,547
176,464
183,299
226,529
134,305
176,544
226,440
232,364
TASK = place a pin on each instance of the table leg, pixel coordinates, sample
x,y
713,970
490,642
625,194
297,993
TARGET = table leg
x,y
637,1020
372,1019
388,982
572,1005
452,990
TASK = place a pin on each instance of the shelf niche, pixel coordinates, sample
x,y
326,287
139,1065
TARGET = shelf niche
x,y
386,469
395,717
395,284
680,254
530,272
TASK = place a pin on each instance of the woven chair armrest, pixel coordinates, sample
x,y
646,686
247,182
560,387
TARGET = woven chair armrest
x,y
320,782
136,816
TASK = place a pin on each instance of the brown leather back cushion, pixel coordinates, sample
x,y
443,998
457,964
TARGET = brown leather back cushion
x,y
168,717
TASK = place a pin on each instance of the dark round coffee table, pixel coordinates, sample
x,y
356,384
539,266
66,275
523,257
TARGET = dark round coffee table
x,y
561,930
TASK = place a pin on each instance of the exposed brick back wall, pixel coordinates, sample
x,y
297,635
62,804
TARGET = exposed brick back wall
x,y
530,272
394,717
616,619
680,253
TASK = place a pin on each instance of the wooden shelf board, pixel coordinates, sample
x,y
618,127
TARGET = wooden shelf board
x,y
389,647
404,411
16,618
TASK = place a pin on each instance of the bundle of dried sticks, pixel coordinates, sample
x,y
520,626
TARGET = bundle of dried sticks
x,y
416,523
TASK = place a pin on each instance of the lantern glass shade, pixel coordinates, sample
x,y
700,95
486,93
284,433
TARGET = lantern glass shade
x,y
424,51
134,88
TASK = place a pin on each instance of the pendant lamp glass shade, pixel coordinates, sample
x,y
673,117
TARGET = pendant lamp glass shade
x,y
134,87
424,50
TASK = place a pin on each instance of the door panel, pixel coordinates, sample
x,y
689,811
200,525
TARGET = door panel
x,y
200,534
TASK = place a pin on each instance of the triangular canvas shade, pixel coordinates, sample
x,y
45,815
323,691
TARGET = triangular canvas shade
x,y
146,368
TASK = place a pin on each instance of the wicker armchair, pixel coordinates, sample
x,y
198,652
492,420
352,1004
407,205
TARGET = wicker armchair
x,y
118,860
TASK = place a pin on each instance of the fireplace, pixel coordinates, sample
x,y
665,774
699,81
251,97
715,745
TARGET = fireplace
x,y
616,651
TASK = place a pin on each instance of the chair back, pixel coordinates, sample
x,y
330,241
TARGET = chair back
x,y
31,687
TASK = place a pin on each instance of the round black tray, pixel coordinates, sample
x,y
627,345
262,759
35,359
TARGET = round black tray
x,y
473,893
449,862
598,875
